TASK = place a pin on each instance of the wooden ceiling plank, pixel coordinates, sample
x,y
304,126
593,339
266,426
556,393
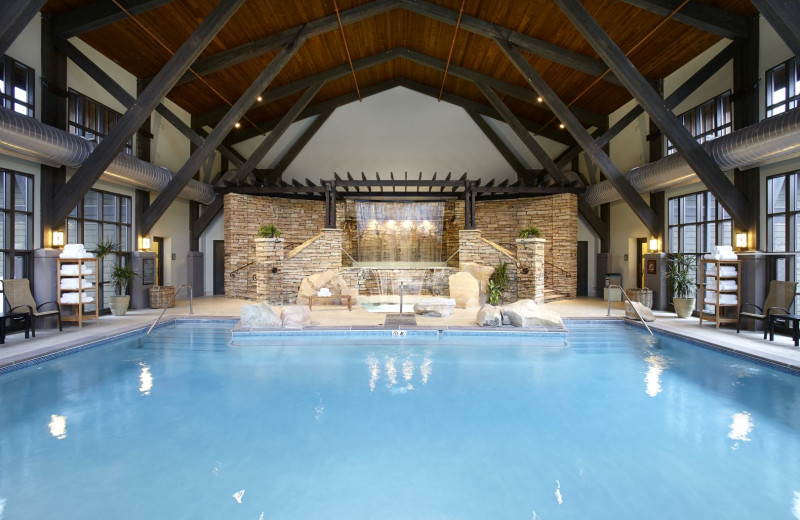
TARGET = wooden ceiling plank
x,y
276,133
535,46
90,171
703,165
498,143
250,50
99,14
214,139
700,16
784,17
294,150
15,15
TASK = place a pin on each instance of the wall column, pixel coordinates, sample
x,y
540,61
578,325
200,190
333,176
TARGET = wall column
x,y
530,268
269,270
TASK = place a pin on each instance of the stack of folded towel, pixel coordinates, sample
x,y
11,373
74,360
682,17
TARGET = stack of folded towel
x,y
75,284
721,253
75,251
72,270
724,270
722,285
76,298
324,292
724,299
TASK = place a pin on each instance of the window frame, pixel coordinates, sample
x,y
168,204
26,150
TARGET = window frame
x,y
792,98
693,121
7,99
104,119
9,213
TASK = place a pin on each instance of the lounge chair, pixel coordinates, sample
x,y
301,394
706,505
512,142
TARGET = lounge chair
x,y
779,300
18,295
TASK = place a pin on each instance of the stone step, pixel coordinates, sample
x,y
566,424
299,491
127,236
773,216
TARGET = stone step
x,y
552,296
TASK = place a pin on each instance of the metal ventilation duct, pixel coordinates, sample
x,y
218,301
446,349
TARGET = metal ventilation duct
x,y
28,138
763,142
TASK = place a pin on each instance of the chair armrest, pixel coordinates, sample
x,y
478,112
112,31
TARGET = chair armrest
x,y
760,310
58,306
771,309
27,308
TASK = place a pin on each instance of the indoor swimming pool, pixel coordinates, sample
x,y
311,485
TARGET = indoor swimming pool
x,y
184,424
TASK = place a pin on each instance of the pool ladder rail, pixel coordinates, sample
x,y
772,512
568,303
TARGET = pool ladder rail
x,y
632,306
191,309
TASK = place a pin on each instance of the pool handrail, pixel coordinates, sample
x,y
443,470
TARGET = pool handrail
x,y
191,309
629,301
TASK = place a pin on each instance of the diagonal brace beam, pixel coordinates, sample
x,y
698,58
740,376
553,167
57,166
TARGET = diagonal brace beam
x,y
784,17
15,15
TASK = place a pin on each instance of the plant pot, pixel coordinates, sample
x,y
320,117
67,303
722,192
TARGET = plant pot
x,y
683,306
119,304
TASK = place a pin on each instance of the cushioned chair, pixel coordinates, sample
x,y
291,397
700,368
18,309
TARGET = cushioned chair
x,y
779,300
18,295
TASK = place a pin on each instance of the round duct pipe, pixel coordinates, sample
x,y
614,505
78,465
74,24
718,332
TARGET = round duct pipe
x,y
26,137
765,141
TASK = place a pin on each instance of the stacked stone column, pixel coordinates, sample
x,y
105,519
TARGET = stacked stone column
x,y
530,268
269,269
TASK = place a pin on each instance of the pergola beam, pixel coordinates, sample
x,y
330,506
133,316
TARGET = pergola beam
x,y
703,165
91,169
700,16
99,14
784,17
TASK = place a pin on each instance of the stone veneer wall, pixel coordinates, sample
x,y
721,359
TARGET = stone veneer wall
x,y
530,268
269,269
557,216
474,248
317,256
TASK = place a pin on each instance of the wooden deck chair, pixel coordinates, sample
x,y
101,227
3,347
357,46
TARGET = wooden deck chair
x,y
779,301
18,295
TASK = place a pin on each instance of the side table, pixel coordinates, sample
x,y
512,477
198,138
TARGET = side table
x,y
793,318
11,315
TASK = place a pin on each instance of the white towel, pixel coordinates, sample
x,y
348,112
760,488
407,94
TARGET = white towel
x,y
724,270
721,253
75,251
724,285
72,270
74,298
724,299
75,283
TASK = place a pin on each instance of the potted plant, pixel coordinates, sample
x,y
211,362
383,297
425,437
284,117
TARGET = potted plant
x,y
681,283
498,283
268,231
530,232
121,277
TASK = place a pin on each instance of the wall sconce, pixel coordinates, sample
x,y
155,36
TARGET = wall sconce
x,y
58,238
145,244
653,245
741,240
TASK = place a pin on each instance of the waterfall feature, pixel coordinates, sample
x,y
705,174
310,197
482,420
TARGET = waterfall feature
x,y
399,234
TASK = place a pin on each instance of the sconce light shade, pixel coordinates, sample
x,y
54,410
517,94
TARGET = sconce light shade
x,y
741,240
145,243
653,244
58,238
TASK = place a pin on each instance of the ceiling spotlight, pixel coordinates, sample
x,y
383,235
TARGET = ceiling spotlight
x,y
539,99
237,124
561,126
259,99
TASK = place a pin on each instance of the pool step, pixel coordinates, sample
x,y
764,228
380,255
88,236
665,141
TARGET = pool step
x,y
399,321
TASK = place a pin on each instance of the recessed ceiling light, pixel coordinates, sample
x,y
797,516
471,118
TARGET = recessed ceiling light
x,y
259,99
237,125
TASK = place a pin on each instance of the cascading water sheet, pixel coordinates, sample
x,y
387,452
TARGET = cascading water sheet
x,y
399,234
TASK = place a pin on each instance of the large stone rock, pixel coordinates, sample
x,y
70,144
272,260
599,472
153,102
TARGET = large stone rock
x,y
525,313
259,315
295,316
310,286
482,273
644,311
489,316
464,290
437,307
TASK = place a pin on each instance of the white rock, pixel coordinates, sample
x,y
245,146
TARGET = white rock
x,y
295,316
259,315
482,273
645,312
489,316
464,290
437,307
525,313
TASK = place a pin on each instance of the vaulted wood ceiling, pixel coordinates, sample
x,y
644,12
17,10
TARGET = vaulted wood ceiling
x,y
417,45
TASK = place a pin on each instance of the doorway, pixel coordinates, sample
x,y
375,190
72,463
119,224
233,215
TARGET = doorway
x,y
219,267
158,245
641,250
583,268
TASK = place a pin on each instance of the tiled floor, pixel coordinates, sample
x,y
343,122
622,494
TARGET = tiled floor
x,y
18,348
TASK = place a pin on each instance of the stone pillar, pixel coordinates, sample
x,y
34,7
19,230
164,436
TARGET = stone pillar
x,y
530,268
140,295
195,275
655,279
269,269
45,265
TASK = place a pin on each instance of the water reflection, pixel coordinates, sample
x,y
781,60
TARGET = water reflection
x,y
741,426
407,363
145,379
58,426
796,505
558,493
238,495
655,365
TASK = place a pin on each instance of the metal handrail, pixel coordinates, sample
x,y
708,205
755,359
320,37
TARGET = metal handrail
x,y
239,269
632,306
191,309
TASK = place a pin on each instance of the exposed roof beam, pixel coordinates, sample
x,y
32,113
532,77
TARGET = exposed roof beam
x,y
628,192
15,15
701,16
527,43
99,14
703,165
250,50
522,172
214,139
784,17
207,217
92,168
275,173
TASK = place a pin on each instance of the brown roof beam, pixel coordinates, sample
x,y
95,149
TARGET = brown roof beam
x,y
700,16
97,15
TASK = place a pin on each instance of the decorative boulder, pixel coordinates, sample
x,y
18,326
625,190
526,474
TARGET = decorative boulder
x,y
437,307
295,316
482,273
259,315
644,312
525,313
489,316
464,290
311,285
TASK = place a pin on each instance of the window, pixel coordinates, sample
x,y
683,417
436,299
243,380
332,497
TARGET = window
x,y
708,121
92,120
16,86
783,87
783,225
697,223
102,216
16,224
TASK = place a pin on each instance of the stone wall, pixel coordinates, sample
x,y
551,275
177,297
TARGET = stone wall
x,y
474,248
378,282
318,255
530,268
269,269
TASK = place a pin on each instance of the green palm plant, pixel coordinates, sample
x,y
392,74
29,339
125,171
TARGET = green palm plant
x,y
268,231
530,232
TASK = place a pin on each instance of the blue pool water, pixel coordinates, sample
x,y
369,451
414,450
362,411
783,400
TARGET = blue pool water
x,y
180,425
